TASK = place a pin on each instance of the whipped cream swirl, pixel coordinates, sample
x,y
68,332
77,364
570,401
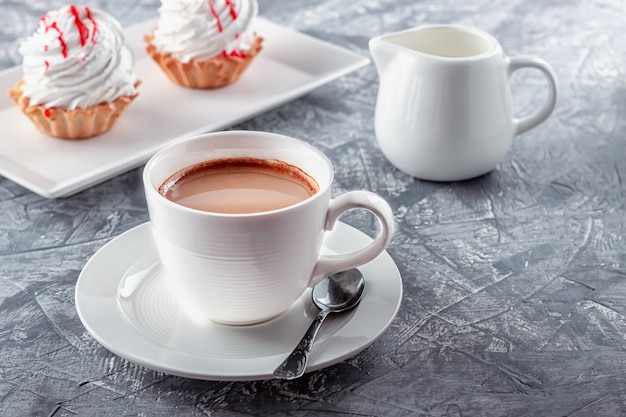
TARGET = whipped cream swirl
x,y
197,30
77,59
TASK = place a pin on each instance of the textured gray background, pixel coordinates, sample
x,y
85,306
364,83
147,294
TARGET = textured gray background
x,y
515,282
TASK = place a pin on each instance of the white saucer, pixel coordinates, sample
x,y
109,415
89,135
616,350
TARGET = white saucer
x,y
123,301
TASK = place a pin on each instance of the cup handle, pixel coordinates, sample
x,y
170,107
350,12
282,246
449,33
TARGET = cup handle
x,y
528,122
330,264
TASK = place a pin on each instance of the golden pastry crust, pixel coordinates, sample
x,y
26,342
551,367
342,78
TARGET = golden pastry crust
x,y
211,73
72,124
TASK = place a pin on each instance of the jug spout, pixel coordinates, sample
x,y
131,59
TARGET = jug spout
x,y
382,53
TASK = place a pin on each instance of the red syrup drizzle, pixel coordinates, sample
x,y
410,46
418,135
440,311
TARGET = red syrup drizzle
x,y
218,21
53,25
231,7
235,53
83,30
94,24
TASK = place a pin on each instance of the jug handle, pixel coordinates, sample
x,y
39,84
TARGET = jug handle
x,y
528,122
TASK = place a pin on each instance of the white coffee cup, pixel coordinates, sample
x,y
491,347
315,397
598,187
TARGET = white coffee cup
x,y
247,268
443,111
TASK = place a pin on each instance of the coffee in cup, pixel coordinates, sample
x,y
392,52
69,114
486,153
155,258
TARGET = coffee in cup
x,y
239,185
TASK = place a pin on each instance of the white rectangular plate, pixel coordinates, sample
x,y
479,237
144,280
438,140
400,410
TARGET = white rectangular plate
x,y
290,65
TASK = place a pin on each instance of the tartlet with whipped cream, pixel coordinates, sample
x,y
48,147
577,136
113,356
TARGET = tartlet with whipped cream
x,y
78,74
204,43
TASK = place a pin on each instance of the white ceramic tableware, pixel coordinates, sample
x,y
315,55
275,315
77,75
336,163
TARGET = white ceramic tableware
x,y
247,268
444,110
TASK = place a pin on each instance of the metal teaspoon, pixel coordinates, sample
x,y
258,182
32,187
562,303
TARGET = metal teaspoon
x,y
339,292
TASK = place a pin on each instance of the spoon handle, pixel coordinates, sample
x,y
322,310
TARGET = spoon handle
x,y
294,366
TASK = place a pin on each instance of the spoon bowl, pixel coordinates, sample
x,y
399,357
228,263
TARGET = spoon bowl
x,y
337,293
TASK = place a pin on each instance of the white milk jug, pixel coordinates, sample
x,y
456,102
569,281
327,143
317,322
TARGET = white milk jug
x,y
443,111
